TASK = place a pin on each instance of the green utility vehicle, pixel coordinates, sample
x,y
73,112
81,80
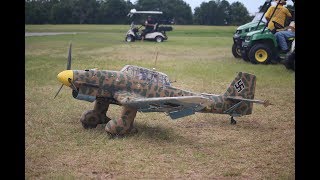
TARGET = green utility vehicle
x,y
258,22
261,46
242,31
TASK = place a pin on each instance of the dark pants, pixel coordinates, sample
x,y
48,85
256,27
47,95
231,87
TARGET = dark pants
x,y
146,31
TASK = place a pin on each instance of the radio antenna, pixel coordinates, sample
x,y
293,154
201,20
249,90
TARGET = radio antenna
x,y
155,62
175,74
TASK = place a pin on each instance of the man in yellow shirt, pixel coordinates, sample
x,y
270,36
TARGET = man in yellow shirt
x,y
279,15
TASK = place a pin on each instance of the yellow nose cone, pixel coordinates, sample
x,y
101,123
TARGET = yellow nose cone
x,y
64,76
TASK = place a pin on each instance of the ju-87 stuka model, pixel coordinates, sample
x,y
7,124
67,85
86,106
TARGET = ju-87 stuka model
x,y
144,90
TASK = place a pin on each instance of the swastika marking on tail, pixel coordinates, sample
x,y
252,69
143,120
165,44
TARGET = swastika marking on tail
x,y
239,86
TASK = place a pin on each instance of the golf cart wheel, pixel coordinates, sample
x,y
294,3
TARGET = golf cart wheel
x,y
129,38
260,54
236,51
159,39
244,56
89,119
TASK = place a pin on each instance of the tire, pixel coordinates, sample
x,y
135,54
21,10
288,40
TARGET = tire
x,y
244,55
260,54
90,119
236,51
159,39
129,38
290,61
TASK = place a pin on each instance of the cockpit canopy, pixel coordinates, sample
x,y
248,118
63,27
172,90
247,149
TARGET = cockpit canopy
x,y
147,75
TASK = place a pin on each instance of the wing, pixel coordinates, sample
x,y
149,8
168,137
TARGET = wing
x,y
176,107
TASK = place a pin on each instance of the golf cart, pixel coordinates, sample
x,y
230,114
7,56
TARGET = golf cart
x,y
261,46
158,34
258,22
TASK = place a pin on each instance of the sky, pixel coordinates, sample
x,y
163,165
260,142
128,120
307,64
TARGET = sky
x,y
251,5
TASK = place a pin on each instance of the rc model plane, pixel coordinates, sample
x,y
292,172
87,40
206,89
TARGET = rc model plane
x,y
144,90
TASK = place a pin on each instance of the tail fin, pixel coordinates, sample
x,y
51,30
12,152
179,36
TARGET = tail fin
x,y
243,85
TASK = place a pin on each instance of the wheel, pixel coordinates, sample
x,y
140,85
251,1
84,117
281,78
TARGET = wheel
x,y
244,55
233,121
159,39
236,51
260,54
129,38
289,62
90,119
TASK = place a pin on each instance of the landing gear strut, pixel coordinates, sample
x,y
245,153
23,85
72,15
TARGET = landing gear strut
x,y
124,124
233,121
91,118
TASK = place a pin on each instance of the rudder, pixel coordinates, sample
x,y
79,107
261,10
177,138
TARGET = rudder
x,y
243,85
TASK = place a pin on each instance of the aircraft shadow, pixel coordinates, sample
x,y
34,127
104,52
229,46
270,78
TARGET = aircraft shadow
x,y
152,134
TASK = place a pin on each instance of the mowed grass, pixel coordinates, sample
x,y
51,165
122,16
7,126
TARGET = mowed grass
x,y
201,146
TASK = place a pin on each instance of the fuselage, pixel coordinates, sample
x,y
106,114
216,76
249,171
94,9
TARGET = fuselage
x,y
105,83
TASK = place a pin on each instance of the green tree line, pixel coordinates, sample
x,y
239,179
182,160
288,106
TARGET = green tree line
x,y
214,12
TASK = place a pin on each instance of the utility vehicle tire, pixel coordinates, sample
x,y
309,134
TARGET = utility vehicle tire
x,y
129,38
159,39
289,62
244,56
260,54
89,119
236,51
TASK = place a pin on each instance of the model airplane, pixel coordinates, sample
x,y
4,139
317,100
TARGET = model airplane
x,y
144,90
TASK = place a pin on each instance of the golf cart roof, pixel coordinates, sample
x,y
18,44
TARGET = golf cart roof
x,y
134,11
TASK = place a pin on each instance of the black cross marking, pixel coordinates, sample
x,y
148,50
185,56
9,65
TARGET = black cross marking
x,y
239,86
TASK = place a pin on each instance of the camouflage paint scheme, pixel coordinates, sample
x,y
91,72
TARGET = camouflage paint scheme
x,y
127,89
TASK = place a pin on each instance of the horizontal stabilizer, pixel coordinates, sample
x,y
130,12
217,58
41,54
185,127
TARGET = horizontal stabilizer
x,y
232,109
265,103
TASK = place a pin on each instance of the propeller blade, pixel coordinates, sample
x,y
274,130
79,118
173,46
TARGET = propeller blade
x,y
74,87
69,58
58,91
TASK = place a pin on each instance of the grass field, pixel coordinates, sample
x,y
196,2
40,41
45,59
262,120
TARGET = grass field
x,y
202,146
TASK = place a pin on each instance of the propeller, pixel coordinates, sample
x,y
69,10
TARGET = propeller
x,y
58,91
68,68
69,58
74,87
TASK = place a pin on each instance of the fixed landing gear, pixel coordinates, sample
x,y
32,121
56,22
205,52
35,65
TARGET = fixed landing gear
x,y
233,121
124,124
91,118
